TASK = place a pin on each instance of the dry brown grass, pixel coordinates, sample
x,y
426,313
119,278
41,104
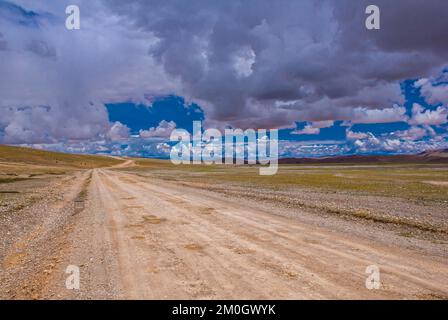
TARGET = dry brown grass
x,y
27,156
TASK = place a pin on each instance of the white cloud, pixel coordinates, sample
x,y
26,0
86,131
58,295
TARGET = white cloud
x,y
163,130
243,61
118,131
420,116
391,144
72,72
44,124
364,115
413,133
434,94
314,128
355,135
413,140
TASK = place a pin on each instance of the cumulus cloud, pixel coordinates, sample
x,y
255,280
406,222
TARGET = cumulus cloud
x,y
163,130
49,124
364,115
420,116
118,131
433,93
367,143
371,143
355,135
413,133
314,128
391,144
413,140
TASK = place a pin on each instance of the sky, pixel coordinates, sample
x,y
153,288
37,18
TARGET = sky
x,y
137,69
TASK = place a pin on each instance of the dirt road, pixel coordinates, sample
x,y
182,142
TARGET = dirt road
x,y
145,238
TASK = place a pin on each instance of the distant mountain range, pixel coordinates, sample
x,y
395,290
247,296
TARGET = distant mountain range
x,y
29,155
432,156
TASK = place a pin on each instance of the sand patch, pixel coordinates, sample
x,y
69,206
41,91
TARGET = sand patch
x,y
13,260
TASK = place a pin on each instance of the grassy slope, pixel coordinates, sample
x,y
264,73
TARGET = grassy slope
x,y
25,171
19,155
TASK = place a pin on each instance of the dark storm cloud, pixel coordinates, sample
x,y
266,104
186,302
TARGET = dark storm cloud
x,y
243,59
247,63
55,81
411,42
411,25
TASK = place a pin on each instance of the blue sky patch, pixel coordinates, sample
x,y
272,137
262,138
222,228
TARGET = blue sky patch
x,y
142,117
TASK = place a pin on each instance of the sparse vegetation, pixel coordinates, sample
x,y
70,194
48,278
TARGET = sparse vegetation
x,y
25,171
421,184
53,159
407,181
10,180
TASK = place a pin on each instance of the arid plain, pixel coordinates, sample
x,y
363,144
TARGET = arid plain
x,y
146,229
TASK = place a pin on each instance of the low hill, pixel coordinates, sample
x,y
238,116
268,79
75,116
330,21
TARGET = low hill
x,y
10,154
433,156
